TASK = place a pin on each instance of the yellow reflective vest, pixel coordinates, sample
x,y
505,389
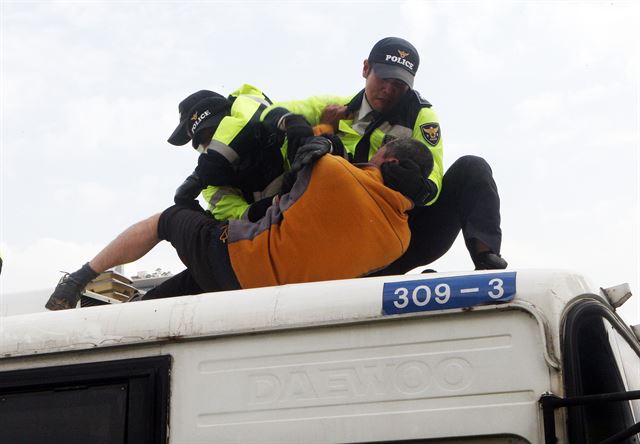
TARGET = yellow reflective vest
x,y
412,117
241,138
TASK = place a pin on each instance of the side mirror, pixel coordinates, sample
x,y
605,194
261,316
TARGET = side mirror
x,y
618,294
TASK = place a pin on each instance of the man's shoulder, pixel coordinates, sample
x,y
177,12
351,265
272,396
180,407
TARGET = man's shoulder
x,y
420,100
412,106
336,163
331,164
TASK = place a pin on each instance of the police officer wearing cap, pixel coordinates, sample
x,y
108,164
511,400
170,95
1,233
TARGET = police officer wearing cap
x,y
240,165
465,198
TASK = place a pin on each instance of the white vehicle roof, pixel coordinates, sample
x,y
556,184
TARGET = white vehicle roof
x,y
543,293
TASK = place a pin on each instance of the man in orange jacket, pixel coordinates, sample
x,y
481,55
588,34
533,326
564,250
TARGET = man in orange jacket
x,y
342,221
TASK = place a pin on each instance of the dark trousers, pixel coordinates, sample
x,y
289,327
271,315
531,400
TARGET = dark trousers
x,y
198,240
181,284
468,202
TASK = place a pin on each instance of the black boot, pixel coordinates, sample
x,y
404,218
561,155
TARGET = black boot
x,y
488,260
69,289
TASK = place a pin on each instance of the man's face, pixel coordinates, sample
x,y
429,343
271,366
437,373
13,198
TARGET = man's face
x,y
381,157
382,94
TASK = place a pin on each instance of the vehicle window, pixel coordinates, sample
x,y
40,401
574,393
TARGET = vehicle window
x,y
95,414
110,402
592,368
629,364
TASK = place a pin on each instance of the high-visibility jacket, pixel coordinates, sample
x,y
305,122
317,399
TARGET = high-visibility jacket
x,y
338,221
243,163
363,135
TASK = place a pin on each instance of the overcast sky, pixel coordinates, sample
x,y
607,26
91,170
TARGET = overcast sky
x,y
547,92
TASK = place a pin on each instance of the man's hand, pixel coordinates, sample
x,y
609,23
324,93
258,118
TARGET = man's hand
x,y
406,178
297,130
337,147
310,152
332,115
307,154
257,210
189,190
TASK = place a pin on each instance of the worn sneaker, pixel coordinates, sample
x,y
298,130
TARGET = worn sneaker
x,y
489,260
66,295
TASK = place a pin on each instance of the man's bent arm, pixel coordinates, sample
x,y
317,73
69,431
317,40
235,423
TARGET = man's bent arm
x,y
225,203
311,108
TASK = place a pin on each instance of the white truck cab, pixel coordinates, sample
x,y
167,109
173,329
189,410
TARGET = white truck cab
x,y
532,356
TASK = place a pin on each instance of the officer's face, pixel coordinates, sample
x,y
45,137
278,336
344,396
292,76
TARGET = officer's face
x,y
202,138
382,94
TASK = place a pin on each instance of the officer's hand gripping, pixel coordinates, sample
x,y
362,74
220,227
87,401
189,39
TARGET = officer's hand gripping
x,y
311,151
257,210
308,153
189,190
297,130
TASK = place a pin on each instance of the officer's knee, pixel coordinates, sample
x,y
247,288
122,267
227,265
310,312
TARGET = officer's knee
x,y
469,162
471,166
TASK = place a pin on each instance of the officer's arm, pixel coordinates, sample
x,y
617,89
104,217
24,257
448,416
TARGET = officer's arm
x,y
252,92
225,203
427,131
233,140
311,108
275,116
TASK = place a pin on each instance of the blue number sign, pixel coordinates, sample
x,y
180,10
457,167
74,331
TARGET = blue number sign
x,y
448,292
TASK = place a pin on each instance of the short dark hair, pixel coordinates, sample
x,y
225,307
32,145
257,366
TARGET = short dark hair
x,y
411,149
